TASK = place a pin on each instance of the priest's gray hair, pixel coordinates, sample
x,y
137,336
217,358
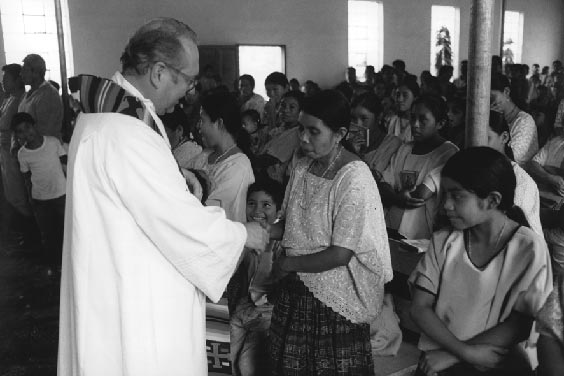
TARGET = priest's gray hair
x,y
157,40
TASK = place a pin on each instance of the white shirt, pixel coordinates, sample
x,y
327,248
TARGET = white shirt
x,y
140,254
47,177
552,153
524,138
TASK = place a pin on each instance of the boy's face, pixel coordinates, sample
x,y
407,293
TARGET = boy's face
x,y
275,92
25,133
261,208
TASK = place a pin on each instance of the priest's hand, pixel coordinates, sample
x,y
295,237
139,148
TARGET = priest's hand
x,y
257,236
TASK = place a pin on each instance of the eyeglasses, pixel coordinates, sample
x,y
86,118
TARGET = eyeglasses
x,y
191,82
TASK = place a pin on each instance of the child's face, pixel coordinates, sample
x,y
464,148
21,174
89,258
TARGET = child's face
x,y
423,123
261,208
404,99
275,92
25,133
289,110
362,118
249,124
463,208
455,116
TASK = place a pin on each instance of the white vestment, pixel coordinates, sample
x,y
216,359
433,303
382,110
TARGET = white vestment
x,y
140,254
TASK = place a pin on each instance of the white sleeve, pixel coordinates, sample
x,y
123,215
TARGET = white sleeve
x,y
198,241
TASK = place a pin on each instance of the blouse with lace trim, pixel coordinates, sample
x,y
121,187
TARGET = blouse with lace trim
x,y
345,211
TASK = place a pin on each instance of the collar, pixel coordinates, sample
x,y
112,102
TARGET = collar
x,y
147,103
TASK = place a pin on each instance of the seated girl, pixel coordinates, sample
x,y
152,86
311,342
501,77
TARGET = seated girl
x,y
224,158
482,281
551,327
526,192
399,123
278,152
370,139
414,217
455,129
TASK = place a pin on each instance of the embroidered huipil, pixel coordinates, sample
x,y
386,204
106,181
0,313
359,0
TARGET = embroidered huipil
x,y
346,212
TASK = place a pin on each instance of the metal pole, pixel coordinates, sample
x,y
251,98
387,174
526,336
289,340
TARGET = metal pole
x,y
479,73
502,28
63,67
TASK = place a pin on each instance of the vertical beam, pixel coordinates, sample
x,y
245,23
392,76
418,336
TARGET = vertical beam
x,y
502,27
63,68
479,73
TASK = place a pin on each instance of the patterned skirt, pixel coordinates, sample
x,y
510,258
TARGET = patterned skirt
x,y
309,338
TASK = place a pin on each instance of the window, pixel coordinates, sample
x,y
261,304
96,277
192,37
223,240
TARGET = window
x,y
512,37
366,42
259,62
445,34
29,26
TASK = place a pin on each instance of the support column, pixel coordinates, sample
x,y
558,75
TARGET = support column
x,y
63,67
479,73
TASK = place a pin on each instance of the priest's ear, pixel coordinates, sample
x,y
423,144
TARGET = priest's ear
x,y
157,73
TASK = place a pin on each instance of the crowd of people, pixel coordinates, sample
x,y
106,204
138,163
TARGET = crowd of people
x,y
311,183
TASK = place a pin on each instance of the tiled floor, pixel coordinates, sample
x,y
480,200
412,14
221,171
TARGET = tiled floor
x,y
29,311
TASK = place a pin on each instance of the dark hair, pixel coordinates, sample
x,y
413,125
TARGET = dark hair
x,y
224,106
173,120
458,103
411,84
15,71
399,64
345,89
294,80
369,101
331,107
435,104
21,117
499,82
157,40
270,187
483,170
276,78
433,86
249,78
445,69
498,124
297,95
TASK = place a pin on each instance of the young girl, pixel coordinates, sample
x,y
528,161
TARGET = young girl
x,y
526,191
371,137
551,329
414,217
454,131
398,124
225,158
482,282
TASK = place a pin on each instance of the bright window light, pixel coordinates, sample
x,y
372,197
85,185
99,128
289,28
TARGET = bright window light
x,y
366,29
30,26
512,37
259,62
445,34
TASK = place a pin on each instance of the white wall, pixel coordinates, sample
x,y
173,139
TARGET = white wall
x,y
314,31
